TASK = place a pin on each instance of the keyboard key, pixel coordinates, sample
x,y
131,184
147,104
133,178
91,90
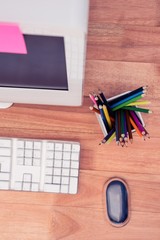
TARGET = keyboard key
x,y
64,189
28,144
28,153
37,154
75,148
50,146
49,170
5,164
75,164
35,187
52,188
73,185
37,145
65,172
18,186
74,172
57,171
66,164
28,161
58,147
48,179
75,156
58,155
56,179
4,185
20,144
4,176
67,147
36,162
66,155
57,163
65,180
5,151
5,143
26,186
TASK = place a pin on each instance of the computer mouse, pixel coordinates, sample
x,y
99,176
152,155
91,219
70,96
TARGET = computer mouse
x,y
117,202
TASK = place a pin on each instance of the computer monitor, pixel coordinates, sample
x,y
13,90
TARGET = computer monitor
x,y
52,71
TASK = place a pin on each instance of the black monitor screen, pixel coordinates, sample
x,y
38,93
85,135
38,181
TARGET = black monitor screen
x,y
43,67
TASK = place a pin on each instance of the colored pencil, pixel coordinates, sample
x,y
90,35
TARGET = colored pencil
x,y
94,109
93,99
135,126
131,100
137,109
117,127
101,124
129,127
122,123
138,103
106,113
125,129
104,118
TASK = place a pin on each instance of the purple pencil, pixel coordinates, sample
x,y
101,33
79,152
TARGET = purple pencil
x,y
137,122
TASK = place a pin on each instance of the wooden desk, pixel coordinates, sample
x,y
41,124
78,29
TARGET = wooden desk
x,y
123,54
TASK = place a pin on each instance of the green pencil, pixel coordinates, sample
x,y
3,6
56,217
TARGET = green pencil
x,y
137,109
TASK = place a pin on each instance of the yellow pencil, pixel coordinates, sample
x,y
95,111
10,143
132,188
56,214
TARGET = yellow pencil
x,y
105,110
138,103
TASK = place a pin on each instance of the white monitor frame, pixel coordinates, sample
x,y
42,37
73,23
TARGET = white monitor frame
x,y
63,18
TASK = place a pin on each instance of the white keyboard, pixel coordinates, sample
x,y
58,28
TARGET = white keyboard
x,y
39,165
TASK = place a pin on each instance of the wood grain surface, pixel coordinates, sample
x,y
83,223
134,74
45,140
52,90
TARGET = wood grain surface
x,y
123,53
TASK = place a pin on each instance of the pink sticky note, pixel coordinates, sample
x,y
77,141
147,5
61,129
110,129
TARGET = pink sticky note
x,y
11,39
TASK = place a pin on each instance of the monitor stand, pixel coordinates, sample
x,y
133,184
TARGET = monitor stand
x,y
5,105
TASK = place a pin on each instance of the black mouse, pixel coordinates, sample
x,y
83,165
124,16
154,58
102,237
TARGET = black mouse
x,y
117,202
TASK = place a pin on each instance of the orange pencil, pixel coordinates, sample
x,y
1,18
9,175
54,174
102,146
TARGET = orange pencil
x,y
135,127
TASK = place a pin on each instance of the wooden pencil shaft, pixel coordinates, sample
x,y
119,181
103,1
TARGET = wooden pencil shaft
x,y
131,100
127,99
127,94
